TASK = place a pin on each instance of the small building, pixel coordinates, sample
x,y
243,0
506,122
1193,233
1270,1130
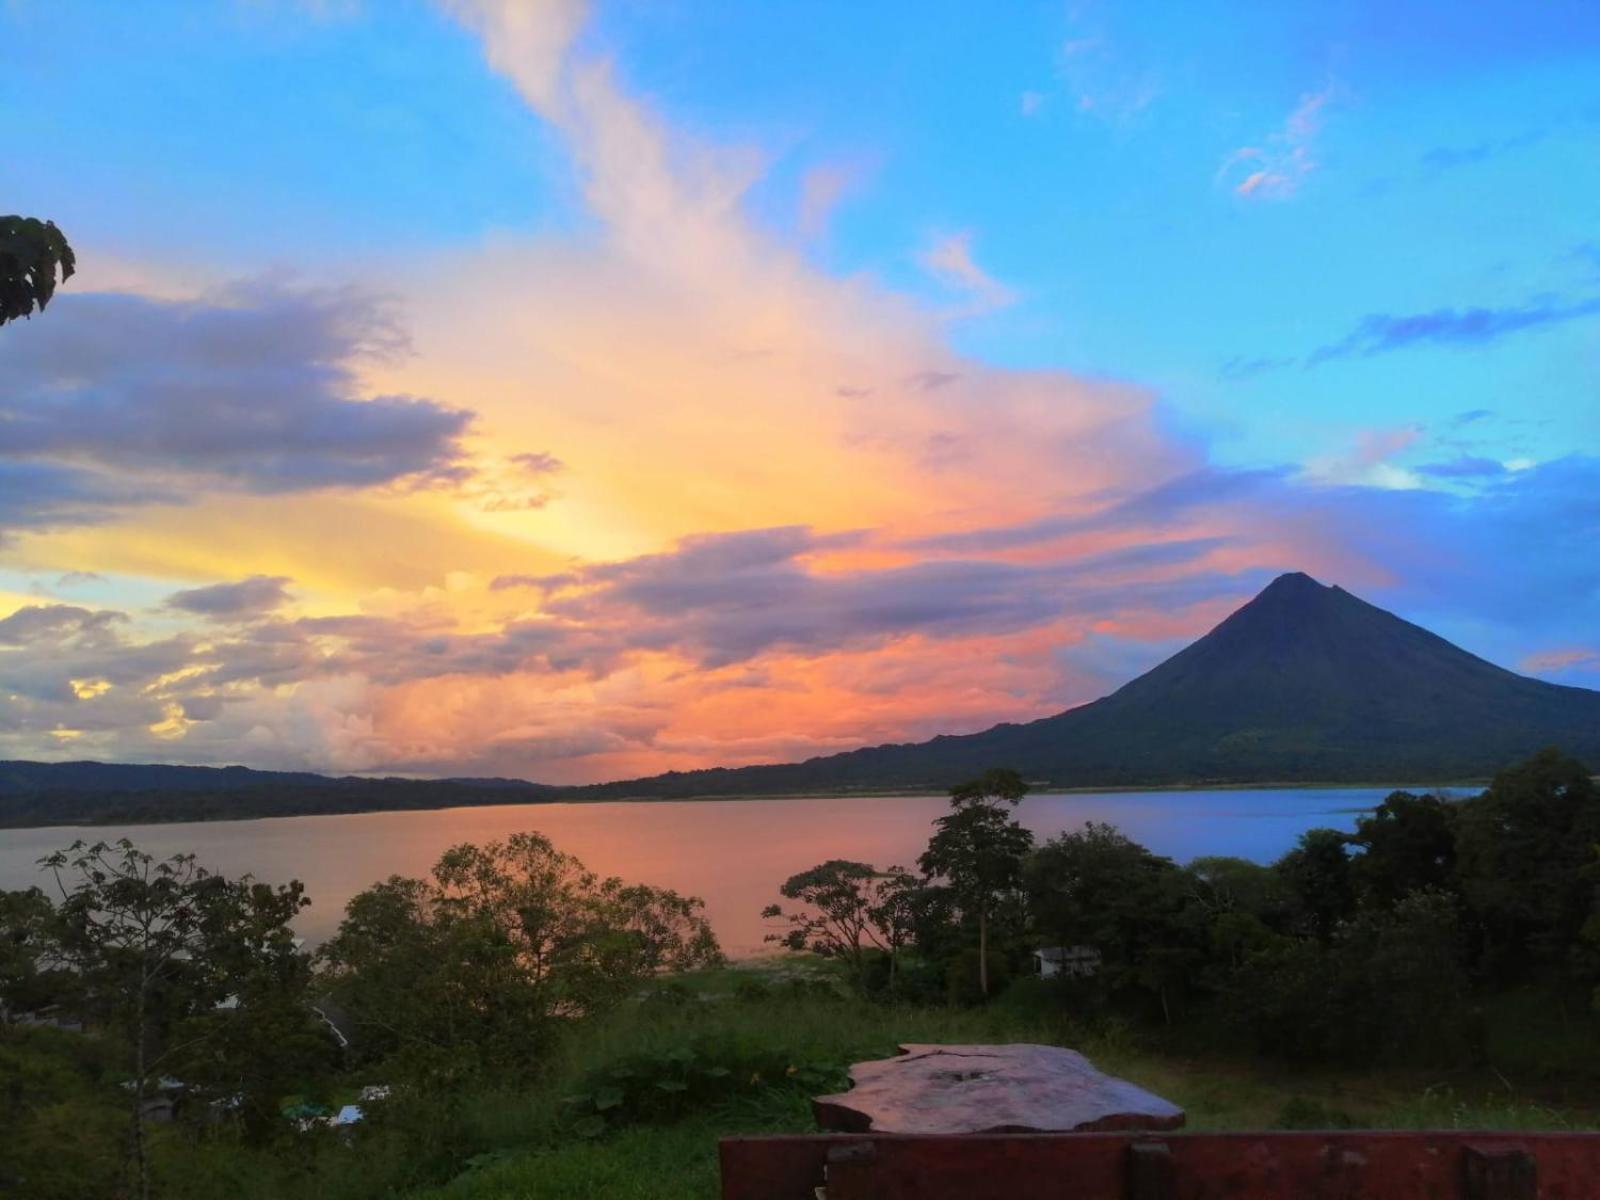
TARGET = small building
x,y
1066,962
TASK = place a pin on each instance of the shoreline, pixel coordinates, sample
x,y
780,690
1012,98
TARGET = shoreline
x,y
144,819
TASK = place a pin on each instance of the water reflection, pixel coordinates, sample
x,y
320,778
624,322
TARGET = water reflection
x,y
732,853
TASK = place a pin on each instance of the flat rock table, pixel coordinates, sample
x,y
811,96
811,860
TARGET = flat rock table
x,y
1016,1088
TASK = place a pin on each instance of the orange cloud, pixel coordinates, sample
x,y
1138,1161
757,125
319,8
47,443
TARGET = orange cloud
x,y
744,554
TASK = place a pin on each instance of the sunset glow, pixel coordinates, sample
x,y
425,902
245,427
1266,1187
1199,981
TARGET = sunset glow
x,y
549,391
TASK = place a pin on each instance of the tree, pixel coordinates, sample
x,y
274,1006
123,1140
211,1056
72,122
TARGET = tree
x,y
978,850
895,911
30,970
1524,848
1099,888
851,907
1317,872
1224,885
1408,843
157,945
1242,903
1387,985
478,964
32,254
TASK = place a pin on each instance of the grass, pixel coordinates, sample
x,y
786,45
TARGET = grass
x,y
530,1156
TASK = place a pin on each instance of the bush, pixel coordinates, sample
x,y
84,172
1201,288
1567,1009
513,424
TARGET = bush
x,y
961,977
667,1085
1388,985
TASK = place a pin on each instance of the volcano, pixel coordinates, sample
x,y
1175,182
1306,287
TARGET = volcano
x,y
1305,683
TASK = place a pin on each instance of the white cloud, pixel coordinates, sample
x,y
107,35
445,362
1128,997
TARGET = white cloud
x,y
949,260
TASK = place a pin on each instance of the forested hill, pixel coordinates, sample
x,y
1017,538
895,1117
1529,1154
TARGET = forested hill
x,y
93,793
1305,683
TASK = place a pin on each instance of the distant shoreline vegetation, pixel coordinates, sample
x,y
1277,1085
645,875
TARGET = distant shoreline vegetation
x,y
308,795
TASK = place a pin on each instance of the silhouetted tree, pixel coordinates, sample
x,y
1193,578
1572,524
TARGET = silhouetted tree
x,y
1409,842
1524,848
978,850
476,965
1317,872
32,254
851,907
158,946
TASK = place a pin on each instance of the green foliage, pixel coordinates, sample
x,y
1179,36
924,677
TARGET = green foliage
x,y
666,1085
188,972
1381,945
1408,843
1318,875
64,1124
33,254
32,976
1097,888
966,984
1525,847
476,967
1388,985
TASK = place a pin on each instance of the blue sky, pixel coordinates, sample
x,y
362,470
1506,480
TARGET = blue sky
x,y
1079,145
1354,247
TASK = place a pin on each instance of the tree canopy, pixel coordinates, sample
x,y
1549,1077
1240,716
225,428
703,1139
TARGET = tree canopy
x,y
476,966
977,849
850,908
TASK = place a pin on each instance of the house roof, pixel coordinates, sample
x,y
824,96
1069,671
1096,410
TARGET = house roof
x,y
1065,953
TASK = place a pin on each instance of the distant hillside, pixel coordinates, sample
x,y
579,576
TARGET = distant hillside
x,y
27,777
1304,683
92,793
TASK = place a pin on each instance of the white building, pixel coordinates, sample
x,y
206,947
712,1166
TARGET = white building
x,y
1066,962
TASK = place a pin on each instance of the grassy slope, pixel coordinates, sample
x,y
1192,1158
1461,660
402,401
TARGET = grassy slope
x,y
678,1160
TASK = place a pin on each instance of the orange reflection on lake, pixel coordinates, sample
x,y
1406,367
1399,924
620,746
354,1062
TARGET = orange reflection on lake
x,y
732,853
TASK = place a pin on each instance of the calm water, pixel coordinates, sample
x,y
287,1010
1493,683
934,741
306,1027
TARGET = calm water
x,y
732,853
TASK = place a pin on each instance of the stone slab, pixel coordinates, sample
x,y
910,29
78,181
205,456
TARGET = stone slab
x,y
1015,1088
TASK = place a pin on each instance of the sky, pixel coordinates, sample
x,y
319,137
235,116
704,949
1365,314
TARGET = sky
x,y
577,392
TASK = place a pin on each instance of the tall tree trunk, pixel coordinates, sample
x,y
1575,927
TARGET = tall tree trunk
x,y
140,1160
983,951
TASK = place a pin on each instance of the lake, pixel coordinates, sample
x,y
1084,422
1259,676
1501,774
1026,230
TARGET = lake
x,y
733,853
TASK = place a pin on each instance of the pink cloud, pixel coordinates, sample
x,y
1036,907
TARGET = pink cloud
x,y
1276,167
949,259
1557,661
